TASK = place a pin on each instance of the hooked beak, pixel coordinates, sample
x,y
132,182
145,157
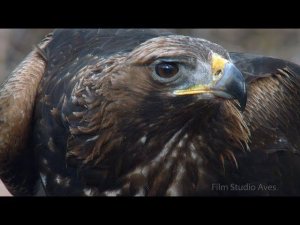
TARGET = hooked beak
x,y
229,85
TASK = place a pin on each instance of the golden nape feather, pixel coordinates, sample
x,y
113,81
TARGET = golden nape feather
x,y
148,113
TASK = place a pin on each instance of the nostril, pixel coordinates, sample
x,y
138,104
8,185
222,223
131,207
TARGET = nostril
x,y
218,72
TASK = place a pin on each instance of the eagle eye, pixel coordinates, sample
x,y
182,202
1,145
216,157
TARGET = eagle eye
x,y
166,69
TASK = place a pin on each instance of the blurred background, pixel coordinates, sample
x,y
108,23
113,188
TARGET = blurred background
x,y
281,43
15,44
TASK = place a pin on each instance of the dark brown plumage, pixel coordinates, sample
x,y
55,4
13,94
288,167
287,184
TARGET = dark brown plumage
x,y
138,112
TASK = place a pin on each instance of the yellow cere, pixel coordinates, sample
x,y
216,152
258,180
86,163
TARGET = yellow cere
x,y
217,63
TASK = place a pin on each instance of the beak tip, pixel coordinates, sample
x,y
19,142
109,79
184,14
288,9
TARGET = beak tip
x,y
243,103
242,98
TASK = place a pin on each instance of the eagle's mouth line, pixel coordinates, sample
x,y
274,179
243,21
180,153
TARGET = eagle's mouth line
x,y
203,90
199,89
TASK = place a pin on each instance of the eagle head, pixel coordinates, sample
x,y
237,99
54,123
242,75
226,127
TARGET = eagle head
x,y
154,118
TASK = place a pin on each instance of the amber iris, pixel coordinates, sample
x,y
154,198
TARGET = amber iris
x,y
166,69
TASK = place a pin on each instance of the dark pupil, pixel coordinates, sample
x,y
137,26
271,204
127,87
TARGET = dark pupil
x,y
166,69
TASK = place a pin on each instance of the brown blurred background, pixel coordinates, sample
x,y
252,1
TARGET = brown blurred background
x,y
15,44
281,43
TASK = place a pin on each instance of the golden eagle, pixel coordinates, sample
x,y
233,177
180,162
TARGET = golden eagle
x,y
143,113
